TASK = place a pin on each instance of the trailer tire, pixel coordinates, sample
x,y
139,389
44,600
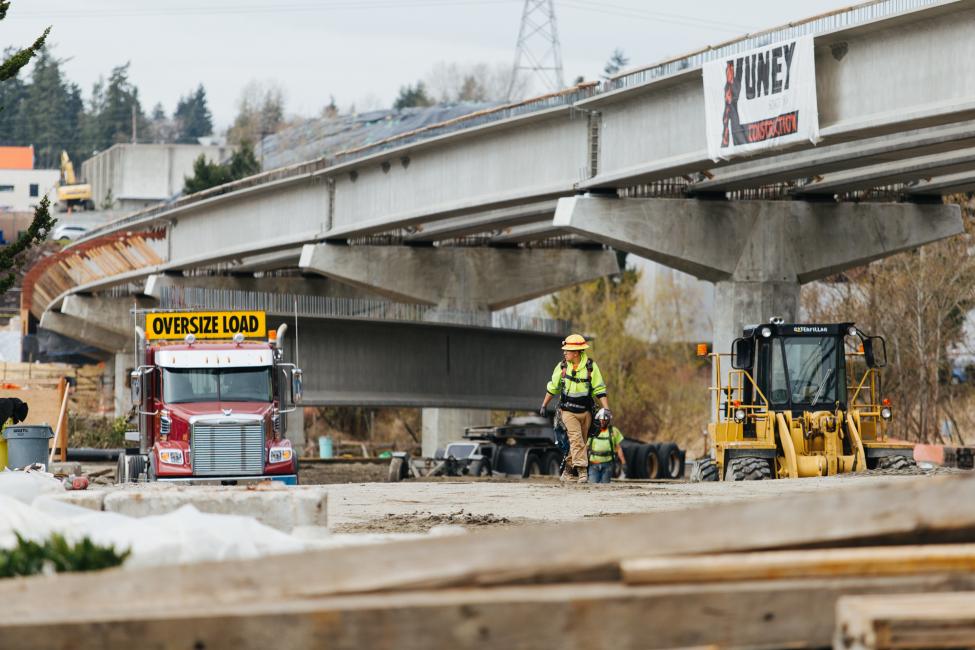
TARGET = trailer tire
x,y
396,470
705,471
896,463
646,463
671,464
533,466
552,463
747,468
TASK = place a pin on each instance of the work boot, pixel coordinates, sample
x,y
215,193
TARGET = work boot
x,y
583,475
566,475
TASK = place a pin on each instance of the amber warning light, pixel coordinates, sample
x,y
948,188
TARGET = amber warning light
x,y
702,349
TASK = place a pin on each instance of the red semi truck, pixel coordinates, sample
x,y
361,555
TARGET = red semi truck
x,y
211,392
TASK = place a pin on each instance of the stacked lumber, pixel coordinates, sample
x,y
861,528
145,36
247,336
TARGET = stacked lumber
x,y
754,574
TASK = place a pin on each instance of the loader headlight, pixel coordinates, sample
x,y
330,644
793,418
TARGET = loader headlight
x,y
739,415
279,454
851,330
766,332
171,456
886,413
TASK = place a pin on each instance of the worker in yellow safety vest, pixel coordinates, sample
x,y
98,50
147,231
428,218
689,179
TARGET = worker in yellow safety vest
x,y
604,449
578,384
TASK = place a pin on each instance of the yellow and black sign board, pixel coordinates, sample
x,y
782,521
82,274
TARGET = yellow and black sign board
x,y
205,324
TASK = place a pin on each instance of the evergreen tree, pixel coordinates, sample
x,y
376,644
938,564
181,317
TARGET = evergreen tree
x,y
617,61
52,109
111,110
12,255
192,116
12,94
206,174
412,96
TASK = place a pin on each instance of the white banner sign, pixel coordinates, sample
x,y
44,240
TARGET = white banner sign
x,y
761,99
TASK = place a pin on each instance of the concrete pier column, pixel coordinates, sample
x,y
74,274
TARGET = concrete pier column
x,y
736,304
442,426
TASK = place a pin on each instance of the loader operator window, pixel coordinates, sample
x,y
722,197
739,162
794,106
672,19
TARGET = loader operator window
x,y
804,371
182,385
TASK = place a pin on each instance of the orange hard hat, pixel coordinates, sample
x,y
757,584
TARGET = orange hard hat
x,y
575,342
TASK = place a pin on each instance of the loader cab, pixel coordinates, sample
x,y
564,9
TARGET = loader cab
x,y
797,367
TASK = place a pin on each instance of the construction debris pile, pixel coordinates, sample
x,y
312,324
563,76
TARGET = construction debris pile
x,y
853,567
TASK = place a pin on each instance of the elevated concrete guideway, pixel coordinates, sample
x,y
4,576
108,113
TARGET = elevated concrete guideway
x,y
480,212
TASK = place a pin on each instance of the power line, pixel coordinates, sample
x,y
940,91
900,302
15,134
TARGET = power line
x,y
623,11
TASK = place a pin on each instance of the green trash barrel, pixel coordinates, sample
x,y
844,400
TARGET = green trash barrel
x,y
27,444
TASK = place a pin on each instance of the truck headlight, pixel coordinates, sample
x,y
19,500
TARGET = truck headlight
x,y
280,454
739,415
885,413
171,456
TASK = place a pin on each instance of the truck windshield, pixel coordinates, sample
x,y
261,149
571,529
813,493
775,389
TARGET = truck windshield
x,y
804,369
181,385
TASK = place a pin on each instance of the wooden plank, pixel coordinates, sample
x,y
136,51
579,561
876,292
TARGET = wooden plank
x,y
820,563
909,621
584,616
925,509
43,405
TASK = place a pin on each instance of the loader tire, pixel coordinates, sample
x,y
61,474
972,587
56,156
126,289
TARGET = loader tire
x,y
705,470
670,465
896,463
748,469
395,470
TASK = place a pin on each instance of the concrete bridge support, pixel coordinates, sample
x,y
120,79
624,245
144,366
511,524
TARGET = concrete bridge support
x,y
757,253
457,278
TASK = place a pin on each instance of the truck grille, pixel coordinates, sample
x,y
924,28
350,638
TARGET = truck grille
x,y
227,448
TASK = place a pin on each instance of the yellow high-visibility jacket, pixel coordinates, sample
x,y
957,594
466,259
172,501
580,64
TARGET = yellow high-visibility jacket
x,y
578,387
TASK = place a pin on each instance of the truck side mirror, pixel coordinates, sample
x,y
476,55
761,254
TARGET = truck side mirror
x,y
875,351
741,354
135,383
296,387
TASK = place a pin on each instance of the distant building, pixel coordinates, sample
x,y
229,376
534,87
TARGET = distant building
x,y
135,176
22,186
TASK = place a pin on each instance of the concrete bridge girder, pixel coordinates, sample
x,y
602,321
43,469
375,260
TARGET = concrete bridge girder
x,y
757,252
458,277
295,285
871,79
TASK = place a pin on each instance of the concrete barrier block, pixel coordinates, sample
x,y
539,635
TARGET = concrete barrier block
x,y
91,499
282,508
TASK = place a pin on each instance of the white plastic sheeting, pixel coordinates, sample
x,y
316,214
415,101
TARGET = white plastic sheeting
x,y
182,536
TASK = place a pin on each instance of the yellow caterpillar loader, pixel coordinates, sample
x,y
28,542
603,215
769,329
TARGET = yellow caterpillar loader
x,y
800,400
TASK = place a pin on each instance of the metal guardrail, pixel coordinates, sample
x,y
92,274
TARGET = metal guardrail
x,y
832,21
283,304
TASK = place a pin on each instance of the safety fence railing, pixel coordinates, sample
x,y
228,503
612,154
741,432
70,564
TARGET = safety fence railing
x,y
823,23
304,305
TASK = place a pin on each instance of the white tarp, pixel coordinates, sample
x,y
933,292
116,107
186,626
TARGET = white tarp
x,y
760,99
183,536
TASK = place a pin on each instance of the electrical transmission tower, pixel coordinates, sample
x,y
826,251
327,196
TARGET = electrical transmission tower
x,y
538,53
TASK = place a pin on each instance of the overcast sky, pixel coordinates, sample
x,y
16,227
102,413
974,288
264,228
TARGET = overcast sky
x,y
360,51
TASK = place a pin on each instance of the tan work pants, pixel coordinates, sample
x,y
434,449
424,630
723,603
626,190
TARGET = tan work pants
x,y
577,427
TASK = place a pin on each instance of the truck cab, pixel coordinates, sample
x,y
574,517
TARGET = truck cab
x,y
213,410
